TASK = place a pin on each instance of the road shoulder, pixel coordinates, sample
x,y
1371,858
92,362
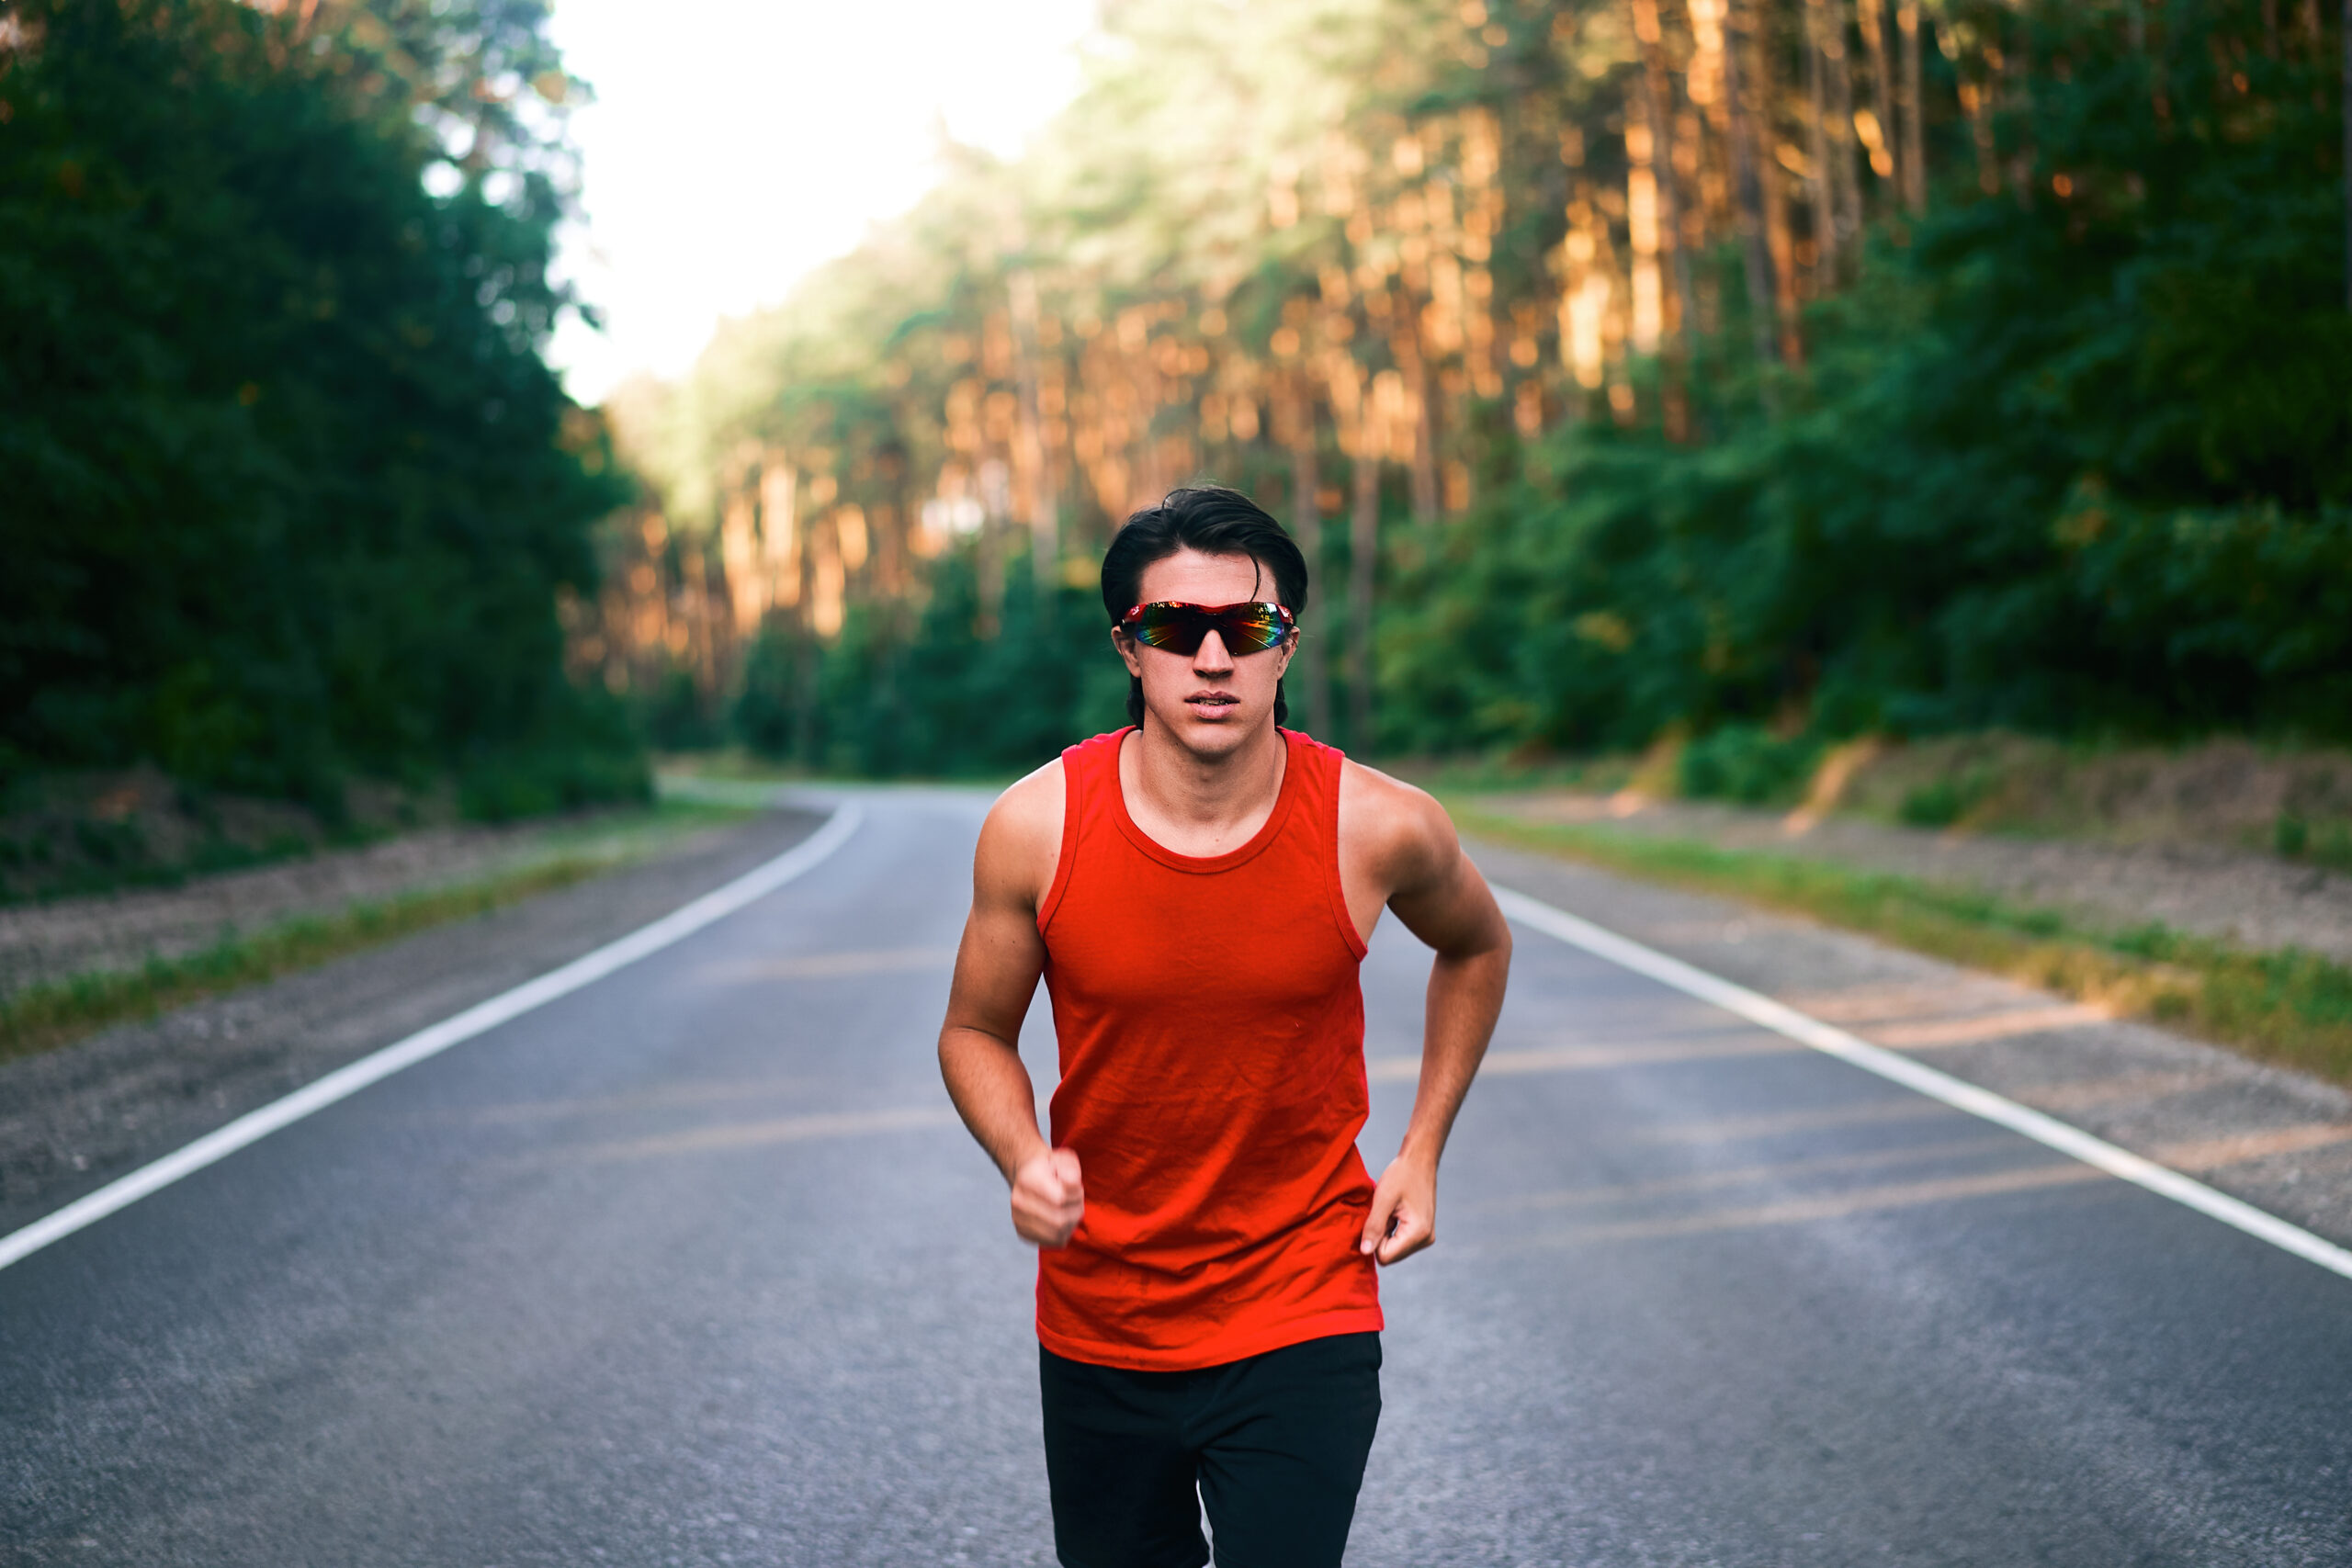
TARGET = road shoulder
x,y
74,1118
2277,1139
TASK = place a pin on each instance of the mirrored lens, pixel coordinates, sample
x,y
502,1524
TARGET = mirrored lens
x,y
1250,629
1180,628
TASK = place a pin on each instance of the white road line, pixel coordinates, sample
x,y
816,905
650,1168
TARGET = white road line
x,y
1761,1009
346,1081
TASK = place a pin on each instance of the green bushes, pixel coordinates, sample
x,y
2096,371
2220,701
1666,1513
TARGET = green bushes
x,y
1744,763
1939,804
289,492
938,699
583,752
2328,844
1941,801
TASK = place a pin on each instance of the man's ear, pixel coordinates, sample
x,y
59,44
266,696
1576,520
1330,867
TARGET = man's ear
x,y
1123,646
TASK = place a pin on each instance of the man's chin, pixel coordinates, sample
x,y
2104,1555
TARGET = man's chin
x,y
1214,731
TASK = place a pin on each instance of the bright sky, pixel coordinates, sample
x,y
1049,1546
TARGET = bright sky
x,y
735,144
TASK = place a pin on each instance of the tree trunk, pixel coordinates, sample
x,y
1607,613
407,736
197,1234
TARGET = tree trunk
x,y
1764,95
1913,156
1414,366
1845,182
1748,186
1825,236
1658,98
1976,102
804,656
1045,505
890,565
1306,521
988,566
1873,19
1363,557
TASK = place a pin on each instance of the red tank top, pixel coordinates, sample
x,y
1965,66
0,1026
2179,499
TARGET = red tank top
x,y
1212,1081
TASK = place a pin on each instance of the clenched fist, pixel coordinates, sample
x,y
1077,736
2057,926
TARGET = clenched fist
x,y
1404,1212
1047,1199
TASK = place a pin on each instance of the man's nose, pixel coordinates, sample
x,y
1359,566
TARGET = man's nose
x,y
1211,656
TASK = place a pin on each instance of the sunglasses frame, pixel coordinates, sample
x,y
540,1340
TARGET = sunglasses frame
x,y
1216,614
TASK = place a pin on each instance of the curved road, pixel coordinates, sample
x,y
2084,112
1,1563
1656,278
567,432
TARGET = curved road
x,y
694,1266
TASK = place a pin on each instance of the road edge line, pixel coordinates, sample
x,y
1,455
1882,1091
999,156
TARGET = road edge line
x,y
1831,1041
434,1039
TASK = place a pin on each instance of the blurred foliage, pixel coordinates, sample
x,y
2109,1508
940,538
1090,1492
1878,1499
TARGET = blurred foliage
x,y
2065,444
290,493
1742,763
936,701
1627,392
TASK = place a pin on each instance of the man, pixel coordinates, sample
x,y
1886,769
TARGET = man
x,y
1197,891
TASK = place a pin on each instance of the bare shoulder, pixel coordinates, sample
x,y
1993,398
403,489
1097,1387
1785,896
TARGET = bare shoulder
x,y
1022,838
1389,824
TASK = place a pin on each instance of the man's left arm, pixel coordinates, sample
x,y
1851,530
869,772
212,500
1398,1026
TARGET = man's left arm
x,y
1441,897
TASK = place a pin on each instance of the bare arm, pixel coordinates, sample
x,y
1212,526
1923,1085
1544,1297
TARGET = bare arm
x,y
997,968
1441,899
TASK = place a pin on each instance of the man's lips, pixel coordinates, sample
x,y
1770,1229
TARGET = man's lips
x,y
1213,702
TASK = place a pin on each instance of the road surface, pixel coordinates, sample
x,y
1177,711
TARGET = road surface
x,y
694,1266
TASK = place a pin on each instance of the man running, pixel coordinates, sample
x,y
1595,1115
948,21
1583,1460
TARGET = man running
x,y
1197,891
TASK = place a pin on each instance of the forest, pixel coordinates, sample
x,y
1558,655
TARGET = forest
x,y
1757,372
291,498
1768,370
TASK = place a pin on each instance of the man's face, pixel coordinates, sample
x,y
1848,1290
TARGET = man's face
x,y
1209,701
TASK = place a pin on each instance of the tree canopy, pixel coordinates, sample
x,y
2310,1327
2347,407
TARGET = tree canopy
x,y
1813,364
1798,368
291,492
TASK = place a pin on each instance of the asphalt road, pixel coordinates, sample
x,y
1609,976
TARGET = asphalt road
x,y
694,1267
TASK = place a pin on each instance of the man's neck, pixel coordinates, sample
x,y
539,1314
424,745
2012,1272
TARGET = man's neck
x,y
1199,805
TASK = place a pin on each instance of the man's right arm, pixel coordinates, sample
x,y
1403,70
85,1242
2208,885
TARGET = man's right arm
x,y
996,974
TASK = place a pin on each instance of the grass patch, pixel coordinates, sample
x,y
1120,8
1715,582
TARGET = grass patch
x,y
41,1017
1506,771
2289,1007
2328,844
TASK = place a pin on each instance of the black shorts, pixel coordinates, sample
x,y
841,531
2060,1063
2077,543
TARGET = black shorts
x,y
1273,1447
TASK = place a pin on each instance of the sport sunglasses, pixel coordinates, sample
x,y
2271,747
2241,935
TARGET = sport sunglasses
x,y
1179,628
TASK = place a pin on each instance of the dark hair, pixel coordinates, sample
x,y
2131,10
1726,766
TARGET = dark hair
x,y
1216,522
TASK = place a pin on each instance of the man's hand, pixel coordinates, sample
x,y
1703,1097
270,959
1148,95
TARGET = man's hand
x,y
1404,1211
1047,1199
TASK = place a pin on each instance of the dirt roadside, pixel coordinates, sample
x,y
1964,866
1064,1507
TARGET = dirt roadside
x,y
45,943
74,1117
2280,1140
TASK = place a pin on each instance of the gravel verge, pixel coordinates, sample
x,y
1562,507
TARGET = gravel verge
x,y
2257,901
2277,1139
74,1117
53,941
